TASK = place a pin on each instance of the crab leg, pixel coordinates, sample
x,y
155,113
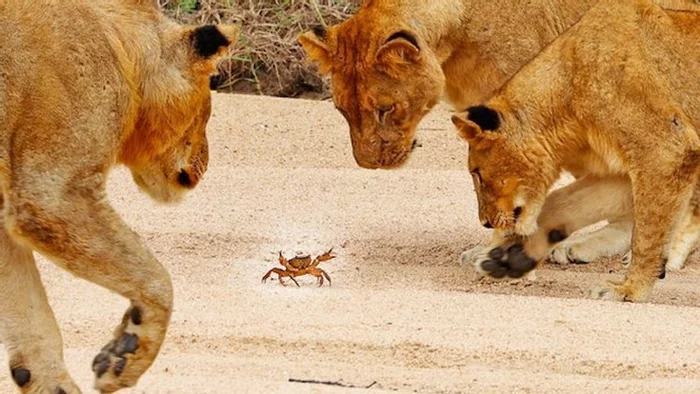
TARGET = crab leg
x,y
326,275
290,275
319,273
280,274
267,275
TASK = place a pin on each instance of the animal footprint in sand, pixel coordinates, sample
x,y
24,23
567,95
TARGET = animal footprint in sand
x,y
301,265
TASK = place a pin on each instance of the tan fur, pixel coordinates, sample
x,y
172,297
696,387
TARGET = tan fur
x,y
599,199
679,5
84,86
614,98
468,48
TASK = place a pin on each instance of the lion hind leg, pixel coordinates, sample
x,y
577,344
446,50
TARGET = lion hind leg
x,y
612,239
687,237
28,327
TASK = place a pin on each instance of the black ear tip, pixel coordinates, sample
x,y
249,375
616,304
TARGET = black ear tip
x,y
320,32
487,118
207,40
406,36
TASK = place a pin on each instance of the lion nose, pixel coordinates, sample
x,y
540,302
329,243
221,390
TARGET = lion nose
x,y
184,179
487,224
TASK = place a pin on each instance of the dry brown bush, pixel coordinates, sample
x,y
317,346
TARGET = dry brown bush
x,y
267,60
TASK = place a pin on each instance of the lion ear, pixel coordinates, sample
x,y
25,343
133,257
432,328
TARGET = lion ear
x,y
212,41
401,48
478,124
468,130
315,44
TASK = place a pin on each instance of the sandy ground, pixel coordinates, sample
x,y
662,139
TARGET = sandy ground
x,y
401,311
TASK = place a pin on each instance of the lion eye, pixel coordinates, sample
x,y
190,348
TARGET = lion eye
x,y
382,112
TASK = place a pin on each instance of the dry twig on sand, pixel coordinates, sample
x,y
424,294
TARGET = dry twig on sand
x,y
331,383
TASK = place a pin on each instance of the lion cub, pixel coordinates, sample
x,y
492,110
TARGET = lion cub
x,y
84,86
616,100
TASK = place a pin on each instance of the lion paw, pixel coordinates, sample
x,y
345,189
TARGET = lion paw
x,y
617,291
499,263
110,363
675,263
470,257
126,357
570,253
627,259
51,381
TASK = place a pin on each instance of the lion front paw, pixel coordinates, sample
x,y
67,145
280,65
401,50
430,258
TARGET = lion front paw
x,y
570,253
110,363
469,258
126,357
499,263
627,259
620,291
675,263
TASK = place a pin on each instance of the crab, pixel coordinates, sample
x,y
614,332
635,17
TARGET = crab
x,y
301,265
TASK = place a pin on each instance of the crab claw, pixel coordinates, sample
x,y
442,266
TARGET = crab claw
x,y
326,256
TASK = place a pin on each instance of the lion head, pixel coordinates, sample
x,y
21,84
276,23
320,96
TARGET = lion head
x,y
181,165
167,150
511,169
384,80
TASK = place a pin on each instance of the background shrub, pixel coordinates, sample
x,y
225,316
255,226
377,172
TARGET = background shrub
x,y
268,60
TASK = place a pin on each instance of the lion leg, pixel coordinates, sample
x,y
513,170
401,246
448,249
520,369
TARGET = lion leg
x,y
687,237
566,210
84,235
683,245
586,201
662,196
28,327
614,238
685,241
478,254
